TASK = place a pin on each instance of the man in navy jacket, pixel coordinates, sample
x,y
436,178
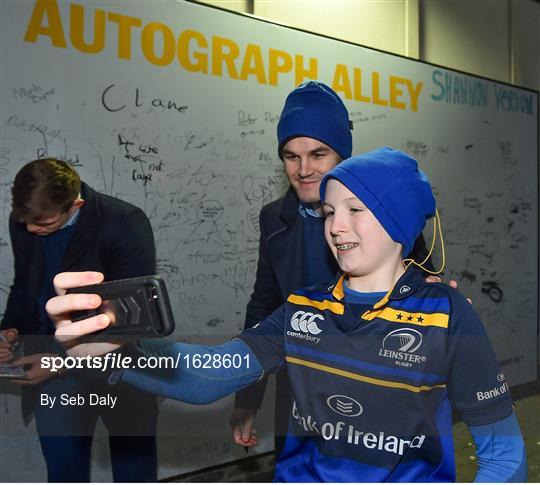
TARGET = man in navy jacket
x,y
59,224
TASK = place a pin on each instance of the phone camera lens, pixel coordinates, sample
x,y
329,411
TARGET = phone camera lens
x,y
153,293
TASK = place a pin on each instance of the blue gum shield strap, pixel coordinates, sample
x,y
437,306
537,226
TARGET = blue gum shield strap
x,y
196,374
500,451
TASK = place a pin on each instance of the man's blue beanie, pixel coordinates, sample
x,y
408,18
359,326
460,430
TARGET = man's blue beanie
x,y
314,110
392,187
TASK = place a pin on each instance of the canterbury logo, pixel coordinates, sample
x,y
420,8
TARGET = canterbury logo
x,y
306,322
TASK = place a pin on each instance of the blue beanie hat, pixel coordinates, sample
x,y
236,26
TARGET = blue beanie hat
x,y
392,187
314,110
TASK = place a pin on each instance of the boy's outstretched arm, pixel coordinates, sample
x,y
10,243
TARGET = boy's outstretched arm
x,y
196,374
192,373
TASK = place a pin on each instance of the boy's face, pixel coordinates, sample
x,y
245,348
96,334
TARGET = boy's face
x,y
358,241
307,161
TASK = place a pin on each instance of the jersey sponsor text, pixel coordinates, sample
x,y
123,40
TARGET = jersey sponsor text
x,y
340,430
495,392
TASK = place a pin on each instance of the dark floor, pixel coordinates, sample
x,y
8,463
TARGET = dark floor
x,y
260,468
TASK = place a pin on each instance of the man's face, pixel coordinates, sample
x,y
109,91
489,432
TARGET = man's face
x,y
53,222
359,242
307,161
49,224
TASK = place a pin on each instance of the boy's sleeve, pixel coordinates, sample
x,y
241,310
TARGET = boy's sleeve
x,y
500,451
266,340
258,351
476,384
192,373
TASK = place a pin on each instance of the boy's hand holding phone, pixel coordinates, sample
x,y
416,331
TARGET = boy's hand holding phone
x,y
60,307
115,312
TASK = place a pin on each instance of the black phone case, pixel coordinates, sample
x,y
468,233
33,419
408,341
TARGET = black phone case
x,y
138,307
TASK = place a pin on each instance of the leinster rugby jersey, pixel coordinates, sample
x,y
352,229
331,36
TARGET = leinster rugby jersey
x,y
373,390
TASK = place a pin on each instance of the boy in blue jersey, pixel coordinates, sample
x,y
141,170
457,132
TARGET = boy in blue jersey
x,y
376,359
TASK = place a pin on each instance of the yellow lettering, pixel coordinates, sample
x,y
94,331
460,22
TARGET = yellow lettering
x,y
358,86
76,31
300,73
414,92
224,50
148,44
200,63
341,81
54,29
375,89
279,62
396,92
253,53
125,24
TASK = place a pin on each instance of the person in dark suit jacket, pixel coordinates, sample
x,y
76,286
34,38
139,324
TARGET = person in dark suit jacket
x,y
314,135
59,223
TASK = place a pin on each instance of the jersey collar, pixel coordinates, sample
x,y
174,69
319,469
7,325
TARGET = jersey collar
x,y
409,282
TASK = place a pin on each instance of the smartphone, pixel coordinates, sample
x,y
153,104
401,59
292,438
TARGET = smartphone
x,y
137,307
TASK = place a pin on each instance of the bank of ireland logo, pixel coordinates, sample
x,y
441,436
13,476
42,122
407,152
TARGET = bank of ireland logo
x,y
344,405
306,322
403,340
